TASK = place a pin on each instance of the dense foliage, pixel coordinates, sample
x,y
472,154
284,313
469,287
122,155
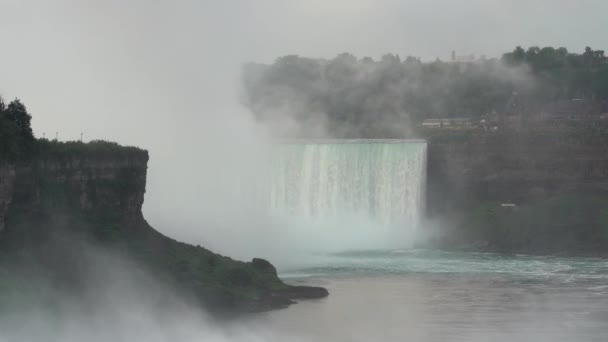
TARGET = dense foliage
x,y
94,149
16,136
564,74
17,141
351,97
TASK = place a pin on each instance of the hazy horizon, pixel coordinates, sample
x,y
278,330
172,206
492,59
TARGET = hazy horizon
x,y
168,76
165,76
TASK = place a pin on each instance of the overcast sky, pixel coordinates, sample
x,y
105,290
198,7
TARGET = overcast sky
x,y
101,65
163,75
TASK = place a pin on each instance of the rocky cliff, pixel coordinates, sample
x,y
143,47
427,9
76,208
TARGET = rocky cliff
x,y
85,184
465,168
556,178
7,188
94,193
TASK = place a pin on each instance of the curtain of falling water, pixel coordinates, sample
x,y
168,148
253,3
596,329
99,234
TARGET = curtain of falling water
x,y
383,180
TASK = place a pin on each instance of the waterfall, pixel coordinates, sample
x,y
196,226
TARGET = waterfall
x,y
379,181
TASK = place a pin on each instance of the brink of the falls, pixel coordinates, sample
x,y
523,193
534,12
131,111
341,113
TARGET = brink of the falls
x,y
359,193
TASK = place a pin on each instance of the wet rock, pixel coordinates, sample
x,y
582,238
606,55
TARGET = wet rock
x,y
263,266
304,292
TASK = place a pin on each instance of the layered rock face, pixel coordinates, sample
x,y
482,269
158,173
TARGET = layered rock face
x,y
86,184
535,191
55,207
7,188
512,168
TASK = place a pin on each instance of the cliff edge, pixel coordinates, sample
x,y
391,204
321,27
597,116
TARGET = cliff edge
x,y
535,190
95,192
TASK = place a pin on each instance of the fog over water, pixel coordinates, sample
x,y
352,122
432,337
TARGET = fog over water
x,y
423,295
375,296
165,76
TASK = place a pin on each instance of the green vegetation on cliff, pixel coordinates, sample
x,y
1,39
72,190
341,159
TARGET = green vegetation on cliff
x,y
17,141
49,149
563,74
16,136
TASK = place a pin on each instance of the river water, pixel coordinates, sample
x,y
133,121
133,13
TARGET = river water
x,y
420,295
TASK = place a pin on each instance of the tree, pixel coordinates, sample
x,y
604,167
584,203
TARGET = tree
x,y
516,57
9,148
17,112
352,97
389,58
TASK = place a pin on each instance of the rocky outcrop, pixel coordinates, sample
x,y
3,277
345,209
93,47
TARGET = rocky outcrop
x,y
289,292
535,190
76,182
466,168
304,292
55,199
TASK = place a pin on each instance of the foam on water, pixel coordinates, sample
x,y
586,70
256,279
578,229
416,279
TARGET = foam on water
x,y
590,271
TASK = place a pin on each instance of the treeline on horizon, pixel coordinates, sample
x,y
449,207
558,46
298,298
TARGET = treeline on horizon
x,y
18,143
363,97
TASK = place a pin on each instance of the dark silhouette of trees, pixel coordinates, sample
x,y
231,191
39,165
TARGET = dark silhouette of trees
x,y
353,97
8,134
16,135
565,75
17,112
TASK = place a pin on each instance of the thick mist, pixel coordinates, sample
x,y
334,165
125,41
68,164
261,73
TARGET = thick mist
x,y
117,300
166,76
351,97
113,298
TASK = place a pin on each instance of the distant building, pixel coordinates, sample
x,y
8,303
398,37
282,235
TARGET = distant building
x,y
469,58
509,206
466,58
448,123
573,109
432,123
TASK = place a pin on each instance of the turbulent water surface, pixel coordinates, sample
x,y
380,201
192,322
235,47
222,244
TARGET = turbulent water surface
x,y
419,295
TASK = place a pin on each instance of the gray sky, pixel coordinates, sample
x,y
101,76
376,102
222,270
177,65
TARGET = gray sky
x,y
163,75
101,66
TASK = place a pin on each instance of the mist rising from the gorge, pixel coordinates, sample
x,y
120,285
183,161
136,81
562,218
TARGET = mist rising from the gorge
x,y
167,77
211,88
344,97
107,296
